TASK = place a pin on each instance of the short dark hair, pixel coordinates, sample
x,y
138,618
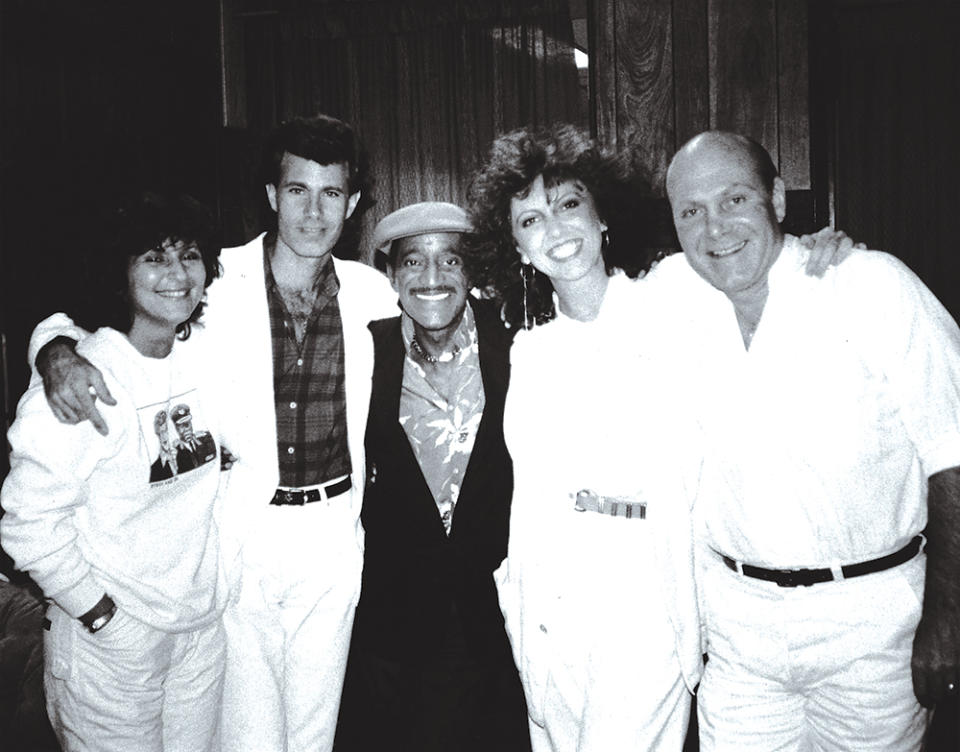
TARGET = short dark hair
x,y
559,153
138,225
325,140
322,139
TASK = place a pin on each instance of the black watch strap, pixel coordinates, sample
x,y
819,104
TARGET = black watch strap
x,y
98,616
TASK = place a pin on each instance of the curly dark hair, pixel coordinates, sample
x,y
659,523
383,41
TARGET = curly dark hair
x,y
325,140
558,153
138,225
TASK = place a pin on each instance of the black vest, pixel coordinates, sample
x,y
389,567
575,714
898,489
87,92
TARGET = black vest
x,y
414,576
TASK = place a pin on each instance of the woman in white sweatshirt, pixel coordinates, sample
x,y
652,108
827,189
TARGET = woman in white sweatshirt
x,y
122,542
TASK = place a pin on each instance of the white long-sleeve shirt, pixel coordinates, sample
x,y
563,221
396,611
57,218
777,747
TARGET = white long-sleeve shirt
x,y
583,593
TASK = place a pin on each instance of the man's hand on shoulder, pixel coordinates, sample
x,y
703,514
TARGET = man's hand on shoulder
x,y
72,384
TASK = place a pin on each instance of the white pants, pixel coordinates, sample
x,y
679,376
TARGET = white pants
x,y
649,713
132,687
825,667
598,659
288,633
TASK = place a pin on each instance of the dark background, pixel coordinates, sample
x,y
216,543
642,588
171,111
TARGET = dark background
x,y
98,95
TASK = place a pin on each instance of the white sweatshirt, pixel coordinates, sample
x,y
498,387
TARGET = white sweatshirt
x,y
88,514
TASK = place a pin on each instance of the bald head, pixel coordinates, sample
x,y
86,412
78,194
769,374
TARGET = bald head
x,y
734,147
727,203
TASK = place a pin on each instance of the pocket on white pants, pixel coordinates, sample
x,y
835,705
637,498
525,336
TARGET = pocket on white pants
x,y
125,647
58,643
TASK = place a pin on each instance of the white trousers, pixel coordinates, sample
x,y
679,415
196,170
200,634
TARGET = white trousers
x,y
288,632
132,687
825,667
650,712
598,658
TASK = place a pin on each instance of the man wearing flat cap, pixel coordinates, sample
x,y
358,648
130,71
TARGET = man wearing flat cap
x,y
194,448
430,666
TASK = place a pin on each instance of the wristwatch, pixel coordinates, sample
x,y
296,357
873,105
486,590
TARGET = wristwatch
x,y
97,617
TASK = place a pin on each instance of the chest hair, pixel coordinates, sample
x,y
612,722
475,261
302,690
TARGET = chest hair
x,y
299,303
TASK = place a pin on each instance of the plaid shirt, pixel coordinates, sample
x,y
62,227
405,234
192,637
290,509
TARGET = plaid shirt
x,y
308,385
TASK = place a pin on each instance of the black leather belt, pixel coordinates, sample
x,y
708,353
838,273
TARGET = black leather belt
x,y
807,577
297,498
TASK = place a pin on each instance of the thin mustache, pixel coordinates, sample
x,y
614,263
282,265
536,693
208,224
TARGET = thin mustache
x,y
432,290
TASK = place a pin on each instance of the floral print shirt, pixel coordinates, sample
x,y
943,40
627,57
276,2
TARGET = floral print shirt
x,y
441,432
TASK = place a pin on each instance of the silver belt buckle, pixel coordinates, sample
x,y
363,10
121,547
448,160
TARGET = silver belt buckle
x,y
590,501
582,496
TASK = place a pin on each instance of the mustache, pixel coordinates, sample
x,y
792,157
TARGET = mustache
x,y
433,290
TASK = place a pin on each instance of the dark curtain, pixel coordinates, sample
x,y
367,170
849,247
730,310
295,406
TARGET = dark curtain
x,y
427,84
896,74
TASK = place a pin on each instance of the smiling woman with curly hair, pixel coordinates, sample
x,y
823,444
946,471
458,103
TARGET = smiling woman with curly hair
x,y
597,594
516,160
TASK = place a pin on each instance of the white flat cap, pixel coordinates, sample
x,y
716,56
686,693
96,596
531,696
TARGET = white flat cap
x,y
418,219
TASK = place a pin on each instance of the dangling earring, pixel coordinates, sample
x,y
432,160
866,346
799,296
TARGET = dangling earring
x,y
604,241
523,276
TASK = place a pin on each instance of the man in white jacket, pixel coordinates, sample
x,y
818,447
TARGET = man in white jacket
x,y
285,331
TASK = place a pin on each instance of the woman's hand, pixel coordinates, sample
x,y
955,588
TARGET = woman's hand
x,y
827,248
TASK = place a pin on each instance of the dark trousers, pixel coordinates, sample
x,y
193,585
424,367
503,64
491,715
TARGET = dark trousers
x,y
452,701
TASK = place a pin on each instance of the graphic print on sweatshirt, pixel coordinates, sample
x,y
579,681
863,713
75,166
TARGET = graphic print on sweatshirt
x,y
174,435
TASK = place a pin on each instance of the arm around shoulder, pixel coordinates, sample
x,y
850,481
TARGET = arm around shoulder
x,y
56,325
71,383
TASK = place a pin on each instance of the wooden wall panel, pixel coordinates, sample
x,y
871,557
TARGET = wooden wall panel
x,y
793,99
743,69
603,70
645,83
666,70
691,69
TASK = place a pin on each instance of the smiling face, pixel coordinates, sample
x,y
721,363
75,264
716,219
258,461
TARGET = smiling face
x,y
312,202
727,220
558,230
428,275
165,285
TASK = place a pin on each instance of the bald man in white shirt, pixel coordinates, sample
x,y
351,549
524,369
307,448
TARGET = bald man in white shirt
x,y
830,411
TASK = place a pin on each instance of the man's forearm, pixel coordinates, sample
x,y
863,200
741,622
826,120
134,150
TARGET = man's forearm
x,y
943,540
935,665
